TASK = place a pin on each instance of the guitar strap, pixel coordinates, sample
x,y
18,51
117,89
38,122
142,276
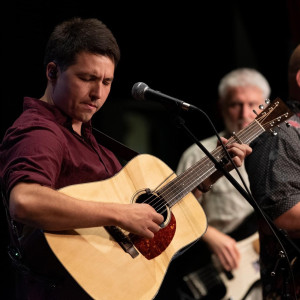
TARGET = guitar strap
x,y
14,249
117,147
127,154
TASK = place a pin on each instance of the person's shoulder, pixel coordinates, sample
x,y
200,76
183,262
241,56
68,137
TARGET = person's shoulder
x,y
210,143
282,139
289,136
194,153
287,132
191,149
34,128
292,125
39,115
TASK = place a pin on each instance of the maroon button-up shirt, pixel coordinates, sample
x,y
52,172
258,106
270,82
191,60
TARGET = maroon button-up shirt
x,y
41,147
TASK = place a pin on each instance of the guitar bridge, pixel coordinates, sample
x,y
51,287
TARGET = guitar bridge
x,y
125,243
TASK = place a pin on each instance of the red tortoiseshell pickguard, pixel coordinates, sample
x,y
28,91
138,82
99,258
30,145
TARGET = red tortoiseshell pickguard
x,y
151,248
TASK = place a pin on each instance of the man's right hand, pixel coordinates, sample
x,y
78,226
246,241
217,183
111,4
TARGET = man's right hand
x,y
140,219
224,247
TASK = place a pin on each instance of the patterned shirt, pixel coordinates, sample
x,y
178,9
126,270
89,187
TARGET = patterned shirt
x,y
274,174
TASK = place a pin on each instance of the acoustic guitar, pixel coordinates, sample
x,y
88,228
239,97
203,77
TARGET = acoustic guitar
x,y
110,264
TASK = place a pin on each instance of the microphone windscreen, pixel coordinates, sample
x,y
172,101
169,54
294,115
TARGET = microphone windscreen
x,y
138,90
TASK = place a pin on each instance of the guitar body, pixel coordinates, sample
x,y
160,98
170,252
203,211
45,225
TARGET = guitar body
x,y
248,272
98,263
211,282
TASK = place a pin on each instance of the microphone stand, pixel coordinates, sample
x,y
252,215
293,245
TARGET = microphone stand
x,y
179,121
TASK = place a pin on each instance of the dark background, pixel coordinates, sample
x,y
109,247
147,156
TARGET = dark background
x,y
179,49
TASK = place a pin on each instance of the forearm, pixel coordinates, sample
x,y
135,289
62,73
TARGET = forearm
x,y
43,207
223,246
290,221
210,235
51,210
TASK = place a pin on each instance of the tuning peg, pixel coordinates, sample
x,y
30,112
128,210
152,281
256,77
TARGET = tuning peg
x,y
267,101
287,124
273,132
261,107
255,112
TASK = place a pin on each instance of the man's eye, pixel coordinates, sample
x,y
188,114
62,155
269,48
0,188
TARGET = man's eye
x,y
84,78
87,78
107,82
234,105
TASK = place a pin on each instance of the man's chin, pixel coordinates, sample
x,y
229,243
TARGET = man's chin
x,y
84,118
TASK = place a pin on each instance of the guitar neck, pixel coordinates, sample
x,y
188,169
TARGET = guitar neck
x,y
193,176
187,181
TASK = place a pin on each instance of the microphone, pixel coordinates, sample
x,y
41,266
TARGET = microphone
x,y
141,91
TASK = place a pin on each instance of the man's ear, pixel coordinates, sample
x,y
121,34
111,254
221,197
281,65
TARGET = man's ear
x,y
298,78
51,71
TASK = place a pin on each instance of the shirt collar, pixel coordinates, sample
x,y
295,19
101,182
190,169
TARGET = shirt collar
x,y
52,112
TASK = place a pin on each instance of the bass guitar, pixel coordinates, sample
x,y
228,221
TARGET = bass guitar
x,y
212,282
110,264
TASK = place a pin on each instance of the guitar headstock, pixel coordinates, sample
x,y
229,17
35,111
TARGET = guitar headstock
x,y
274,114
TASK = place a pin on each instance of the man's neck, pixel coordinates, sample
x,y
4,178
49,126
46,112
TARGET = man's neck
x,y
47,97
76,125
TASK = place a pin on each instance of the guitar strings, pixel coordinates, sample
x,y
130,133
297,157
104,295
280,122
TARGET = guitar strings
x,y
196,170
243,133
168,190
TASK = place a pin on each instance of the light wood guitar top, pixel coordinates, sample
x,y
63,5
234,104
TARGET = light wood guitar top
x,y
98,263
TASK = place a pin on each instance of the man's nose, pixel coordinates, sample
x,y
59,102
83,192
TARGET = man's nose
x,y
96,91
247,111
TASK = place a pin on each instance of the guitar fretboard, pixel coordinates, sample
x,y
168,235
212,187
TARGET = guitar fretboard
x,y
186,182
193,176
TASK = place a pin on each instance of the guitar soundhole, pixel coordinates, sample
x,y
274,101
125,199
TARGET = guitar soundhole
x,y
157,202
151,248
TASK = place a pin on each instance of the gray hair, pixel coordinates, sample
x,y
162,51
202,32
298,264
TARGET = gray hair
x,y
243,77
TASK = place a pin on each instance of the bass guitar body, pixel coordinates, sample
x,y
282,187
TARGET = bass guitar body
x,y
212,282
